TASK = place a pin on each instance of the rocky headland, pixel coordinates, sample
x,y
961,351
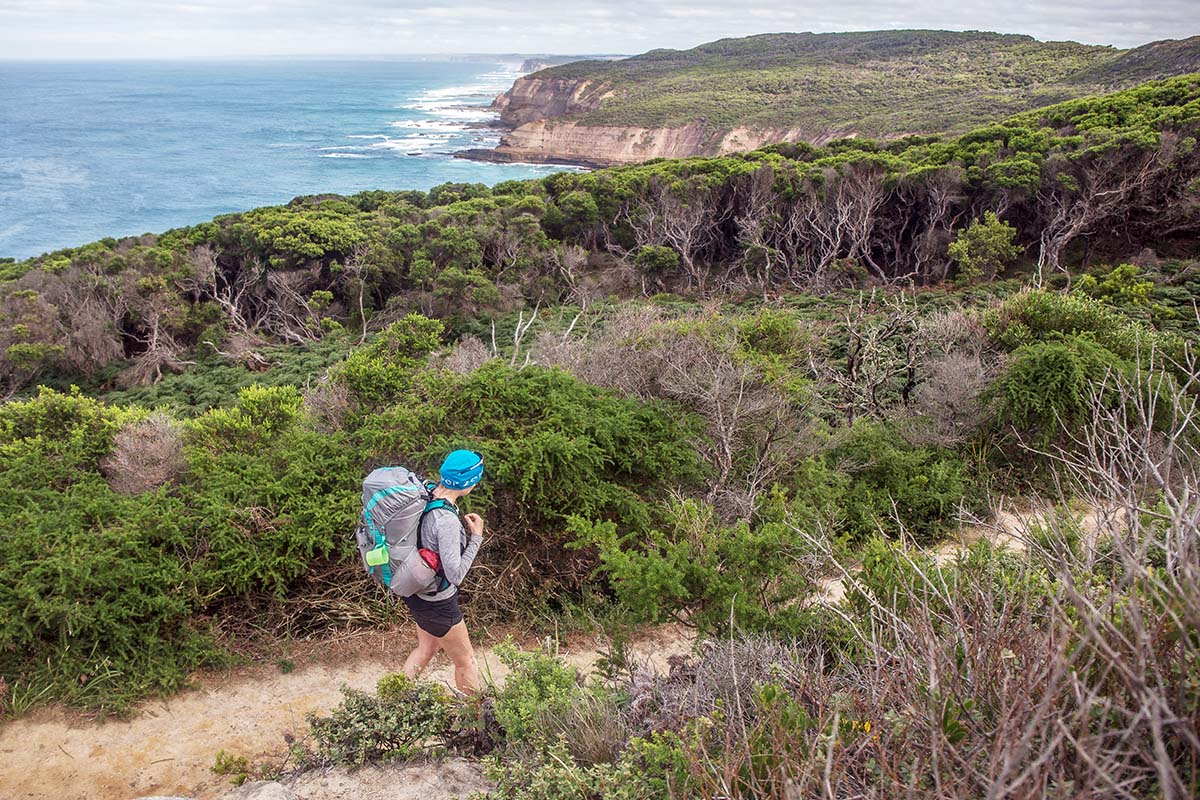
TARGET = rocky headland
x,y
741,94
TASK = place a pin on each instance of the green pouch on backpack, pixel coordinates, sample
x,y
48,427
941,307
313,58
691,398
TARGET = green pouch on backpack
x,y
378,556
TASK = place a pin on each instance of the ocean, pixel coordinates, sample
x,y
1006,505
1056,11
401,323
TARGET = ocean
x,y
89,150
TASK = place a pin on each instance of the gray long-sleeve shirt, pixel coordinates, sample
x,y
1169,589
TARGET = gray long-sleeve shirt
x,y
443,532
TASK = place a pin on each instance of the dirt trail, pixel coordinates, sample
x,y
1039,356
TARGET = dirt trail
x,y
168,746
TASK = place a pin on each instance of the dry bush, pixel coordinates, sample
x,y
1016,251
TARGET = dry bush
x,y
149,367
241,347
883,354
724,676
593,728
92,342
613,355
145,455
754,429
328,403
467,356
948,401
954,366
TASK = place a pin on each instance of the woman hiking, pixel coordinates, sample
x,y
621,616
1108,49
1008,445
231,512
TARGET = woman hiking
x,y
440,624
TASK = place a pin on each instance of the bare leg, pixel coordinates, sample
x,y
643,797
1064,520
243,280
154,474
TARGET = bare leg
x,y
457,646
418,659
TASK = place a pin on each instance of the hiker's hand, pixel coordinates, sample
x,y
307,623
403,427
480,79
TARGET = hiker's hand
x,y
474,524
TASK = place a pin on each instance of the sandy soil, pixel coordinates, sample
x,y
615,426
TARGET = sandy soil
x,y
168,746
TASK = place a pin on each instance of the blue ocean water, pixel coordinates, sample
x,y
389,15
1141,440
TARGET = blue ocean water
x,y
89,150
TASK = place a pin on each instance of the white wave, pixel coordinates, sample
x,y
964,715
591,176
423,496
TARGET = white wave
x,y
457,91
409,143
427,125
366,136
346,155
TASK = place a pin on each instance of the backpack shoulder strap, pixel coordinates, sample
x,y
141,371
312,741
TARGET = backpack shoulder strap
x,y
432,505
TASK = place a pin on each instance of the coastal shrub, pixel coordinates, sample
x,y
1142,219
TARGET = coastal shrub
x,y
1047,386
983,248
749,574
72,430
1120,286
269,496
1038,316
553,447
538,686
896,487
382,371
656,261
95,599
401,720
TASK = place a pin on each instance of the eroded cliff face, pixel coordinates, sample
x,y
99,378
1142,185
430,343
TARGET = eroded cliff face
x,y
532,98
537,111
569,142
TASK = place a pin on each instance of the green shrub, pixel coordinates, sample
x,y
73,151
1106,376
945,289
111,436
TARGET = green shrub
x,y
538,685
1047,387
1038,316
95,600
897,578
705,571
265,518
382,371
983,248
656,260
1122,285
554,447
895,486
403,720
236,767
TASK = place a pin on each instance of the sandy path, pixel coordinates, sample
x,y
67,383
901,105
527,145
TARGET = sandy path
x,y
168,746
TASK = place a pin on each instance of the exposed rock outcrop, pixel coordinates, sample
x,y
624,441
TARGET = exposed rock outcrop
x,y
557,141
532,98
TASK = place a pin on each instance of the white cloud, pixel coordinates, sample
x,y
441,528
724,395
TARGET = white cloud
x,y
207,28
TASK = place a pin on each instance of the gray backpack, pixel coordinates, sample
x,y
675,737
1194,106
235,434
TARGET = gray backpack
x,y
389,538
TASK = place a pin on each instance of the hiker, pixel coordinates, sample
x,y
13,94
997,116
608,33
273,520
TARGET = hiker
x,y
440,624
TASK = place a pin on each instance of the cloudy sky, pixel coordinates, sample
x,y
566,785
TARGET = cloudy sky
x,y
221,28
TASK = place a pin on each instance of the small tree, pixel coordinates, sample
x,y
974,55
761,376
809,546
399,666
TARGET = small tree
x,y
983,248
656,262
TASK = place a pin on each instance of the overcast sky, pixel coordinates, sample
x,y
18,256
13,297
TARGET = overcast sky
x,y
222,28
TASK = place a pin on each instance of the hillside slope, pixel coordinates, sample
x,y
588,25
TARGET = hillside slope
x,y
739,94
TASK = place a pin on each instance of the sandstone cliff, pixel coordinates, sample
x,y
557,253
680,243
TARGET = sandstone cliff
x,y
570,142
537,111
532,98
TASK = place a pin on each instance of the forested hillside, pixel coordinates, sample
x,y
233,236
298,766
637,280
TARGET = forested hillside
x,y
700,387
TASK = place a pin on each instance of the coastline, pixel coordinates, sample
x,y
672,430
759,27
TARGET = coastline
x,y
497,156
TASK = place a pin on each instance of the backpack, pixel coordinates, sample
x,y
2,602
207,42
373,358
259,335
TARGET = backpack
x,y
394,502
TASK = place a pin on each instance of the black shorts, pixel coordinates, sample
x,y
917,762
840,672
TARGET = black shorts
x,y
435,617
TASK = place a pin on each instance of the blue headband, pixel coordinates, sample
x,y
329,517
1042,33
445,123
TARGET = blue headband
x,y
462,469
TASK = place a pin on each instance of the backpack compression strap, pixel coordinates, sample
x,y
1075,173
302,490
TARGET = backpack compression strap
x,y
385,569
